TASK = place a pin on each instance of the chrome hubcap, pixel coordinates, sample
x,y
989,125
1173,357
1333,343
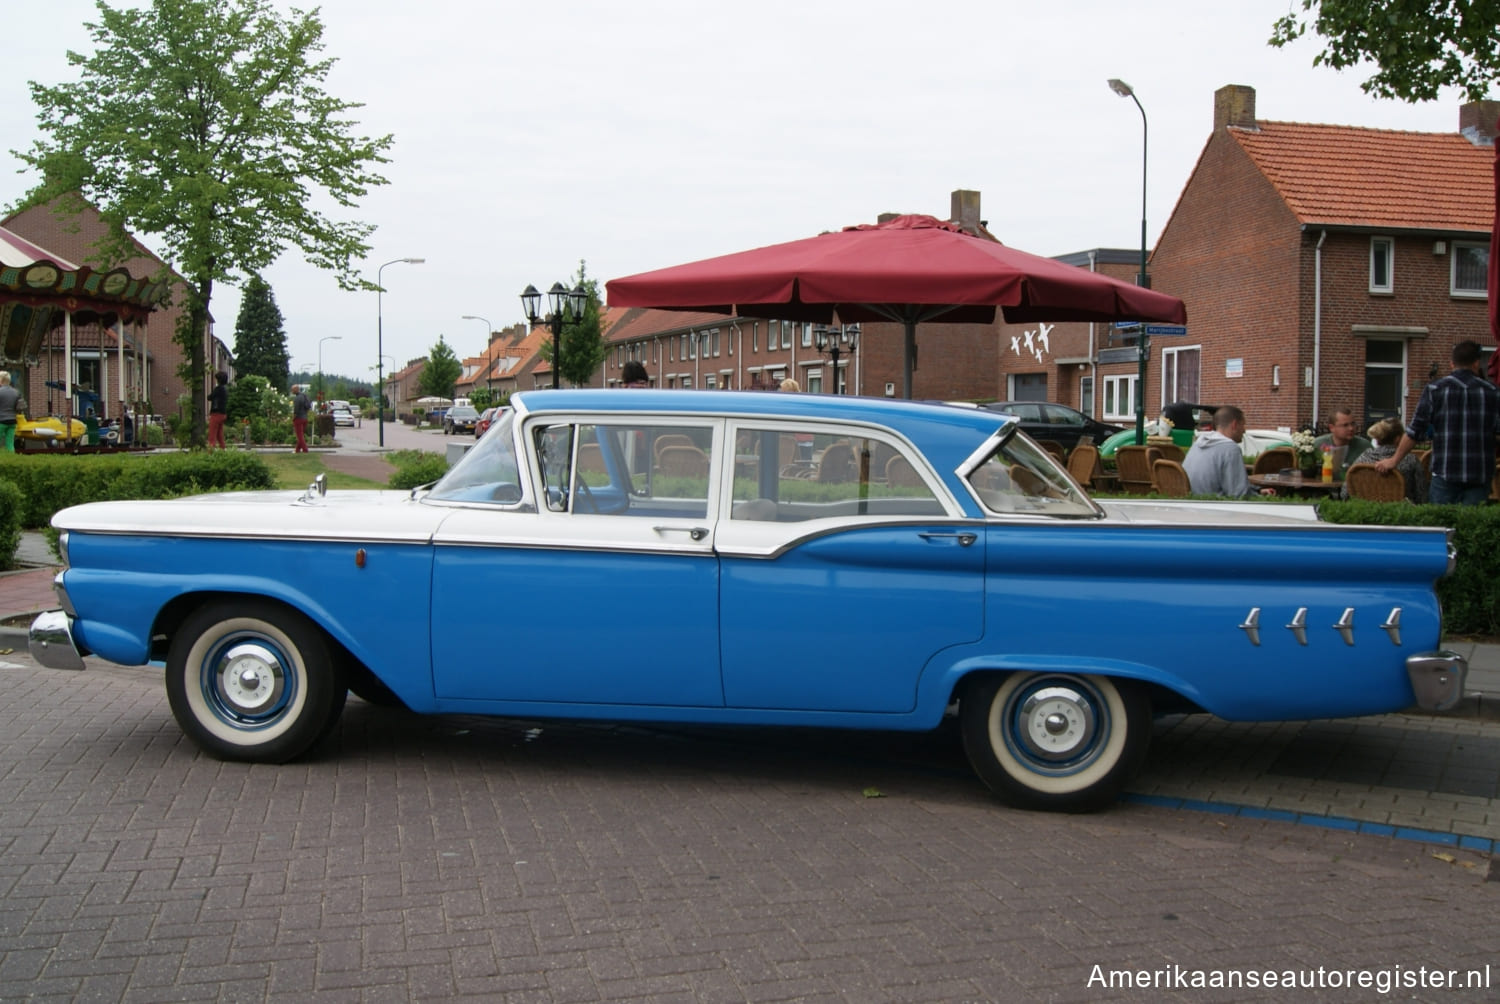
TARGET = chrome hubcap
x,y
1057,723
249,679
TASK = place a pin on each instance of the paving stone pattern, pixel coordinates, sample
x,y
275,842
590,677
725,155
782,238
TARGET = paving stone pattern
x,y
451,858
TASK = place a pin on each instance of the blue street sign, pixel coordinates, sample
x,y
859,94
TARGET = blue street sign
x,y
1166,329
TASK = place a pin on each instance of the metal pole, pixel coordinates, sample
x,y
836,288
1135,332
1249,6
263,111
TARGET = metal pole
x,y
1143,344
380,346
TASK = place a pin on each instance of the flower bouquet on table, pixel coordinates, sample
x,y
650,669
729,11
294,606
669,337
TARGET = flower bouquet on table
x,y
1309,456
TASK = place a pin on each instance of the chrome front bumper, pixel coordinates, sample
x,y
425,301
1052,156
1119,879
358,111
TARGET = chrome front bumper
x,y
1437,679
51,641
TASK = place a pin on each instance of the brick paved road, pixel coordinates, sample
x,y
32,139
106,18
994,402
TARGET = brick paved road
x,y
446,858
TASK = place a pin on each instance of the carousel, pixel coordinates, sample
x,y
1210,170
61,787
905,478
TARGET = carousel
x,y
66,333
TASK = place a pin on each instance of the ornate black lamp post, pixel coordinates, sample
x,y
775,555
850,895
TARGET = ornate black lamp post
x,y
832,341
562,306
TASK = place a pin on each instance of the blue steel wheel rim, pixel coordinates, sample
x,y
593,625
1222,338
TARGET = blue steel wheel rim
x,y
248,682
1056,725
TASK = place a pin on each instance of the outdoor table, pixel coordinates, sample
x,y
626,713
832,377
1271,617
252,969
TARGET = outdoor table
x,y
1296,485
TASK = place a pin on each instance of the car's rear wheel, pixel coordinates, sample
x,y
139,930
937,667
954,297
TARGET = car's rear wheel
x,y
253,680
1059,741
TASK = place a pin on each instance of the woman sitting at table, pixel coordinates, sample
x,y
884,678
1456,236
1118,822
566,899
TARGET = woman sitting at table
x,y
1385,434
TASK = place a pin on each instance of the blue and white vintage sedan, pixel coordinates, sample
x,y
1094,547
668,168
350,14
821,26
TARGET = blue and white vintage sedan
x,y
755,558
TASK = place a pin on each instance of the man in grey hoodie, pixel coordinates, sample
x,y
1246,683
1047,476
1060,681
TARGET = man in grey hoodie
x,y
1215,465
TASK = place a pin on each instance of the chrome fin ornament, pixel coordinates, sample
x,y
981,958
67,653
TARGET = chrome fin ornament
x,y
1345,626
1298,626
1251,626
1392,626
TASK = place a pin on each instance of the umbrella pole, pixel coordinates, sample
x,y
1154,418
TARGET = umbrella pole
x,y
907,356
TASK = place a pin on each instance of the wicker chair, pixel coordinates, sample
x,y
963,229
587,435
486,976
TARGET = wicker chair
x,y
1364,481
1083,463
682,462
1170,451
900,473
1171,479
1053,447
1275,460
1134,465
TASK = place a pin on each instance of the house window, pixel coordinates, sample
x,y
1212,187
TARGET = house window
x,y
1119,398
1382,261
755,337
1470,263
814,377
1028,386
807,336
715,334
1385,379
1180,374
786,334
1086,395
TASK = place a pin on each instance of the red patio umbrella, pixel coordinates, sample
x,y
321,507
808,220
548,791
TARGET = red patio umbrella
x,y
909,269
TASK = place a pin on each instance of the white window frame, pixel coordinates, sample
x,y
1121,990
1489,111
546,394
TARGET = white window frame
x,y
1387,247
1116,385
1469,293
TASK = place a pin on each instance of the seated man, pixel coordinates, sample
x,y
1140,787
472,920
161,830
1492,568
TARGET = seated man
x,y
1341,433
1215,465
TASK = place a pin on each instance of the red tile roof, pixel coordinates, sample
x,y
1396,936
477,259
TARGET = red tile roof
x,y
1381,178
642,322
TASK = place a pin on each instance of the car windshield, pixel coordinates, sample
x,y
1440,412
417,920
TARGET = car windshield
x,y
1019,476
488,472
462,411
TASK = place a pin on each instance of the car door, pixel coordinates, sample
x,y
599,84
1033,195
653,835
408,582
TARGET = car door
x,y
605,591
841,577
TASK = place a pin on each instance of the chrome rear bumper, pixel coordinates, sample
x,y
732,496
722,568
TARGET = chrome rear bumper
x,y
1437,679
51,641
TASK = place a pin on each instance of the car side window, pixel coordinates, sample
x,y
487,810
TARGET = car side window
x,y
1020,477
787,476
626,469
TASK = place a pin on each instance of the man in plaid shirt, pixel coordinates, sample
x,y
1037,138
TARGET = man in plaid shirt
x,y
1461,414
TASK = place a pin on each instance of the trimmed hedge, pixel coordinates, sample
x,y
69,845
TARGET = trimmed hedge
x,y
12,503
48,483
416,467
1471,595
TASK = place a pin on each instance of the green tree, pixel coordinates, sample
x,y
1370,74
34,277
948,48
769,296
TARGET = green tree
x,y
259,338
481,398
204,123
1418,46
582,338
442,371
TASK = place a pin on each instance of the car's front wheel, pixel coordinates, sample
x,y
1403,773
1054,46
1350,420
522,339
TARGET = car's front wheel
x,y
1058,741
253,680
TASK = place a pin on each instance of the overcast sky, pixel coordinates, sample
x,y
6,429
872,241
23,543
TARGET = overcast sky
x,y
642,134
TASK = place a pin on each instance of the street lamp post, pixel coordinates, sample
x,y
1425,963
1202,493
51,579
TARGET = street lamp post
x,y
325,338
831,340
1143,346
380,346
560,303
488,331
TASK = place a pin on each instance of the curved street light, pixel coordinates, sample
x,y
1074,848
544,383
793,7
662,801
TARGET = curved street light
x,y
1143,348
489,330
325,338
380,346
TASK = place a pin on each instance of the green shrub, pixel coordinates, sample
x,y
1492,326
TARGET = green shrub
x,y
49,483
12,508
414,467
1471,595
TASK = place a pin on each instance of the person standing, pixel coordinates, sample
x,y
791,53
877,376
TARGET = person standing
x,y
1341,433
218,410
9,399
1215,464
1460,413
301,405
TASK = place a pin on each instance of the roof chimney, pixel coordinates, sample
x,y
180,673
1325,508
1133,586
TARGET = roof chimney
x,y
1479,121
964,210
1234,107
886,217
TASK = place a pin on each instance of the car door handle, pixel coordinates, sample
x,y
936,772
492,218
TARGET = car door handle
x,y
964,539
695,532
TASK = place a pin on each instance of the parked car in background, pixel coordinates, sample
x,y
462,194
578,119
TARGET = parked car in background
x,y
957,552
342,416
460,418
1057,422
487,418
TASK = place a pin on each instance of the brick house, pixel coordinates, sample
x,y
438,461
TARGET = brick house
x,y
1323,266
